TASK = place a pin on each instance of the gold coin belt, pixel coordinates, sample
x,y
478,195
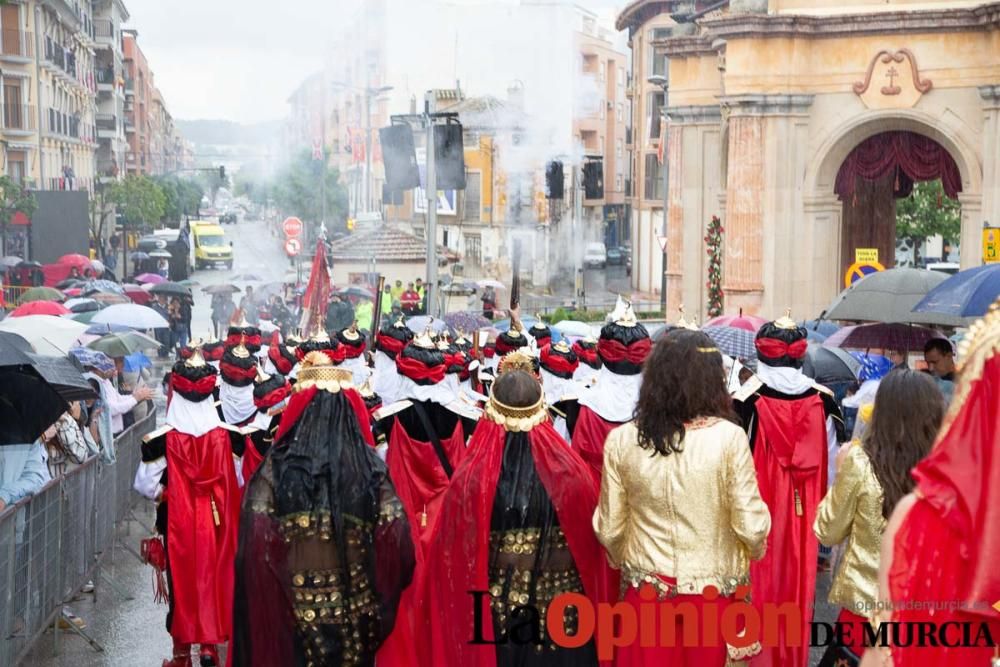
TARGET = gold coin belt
x,y
513,587
322,609
525,541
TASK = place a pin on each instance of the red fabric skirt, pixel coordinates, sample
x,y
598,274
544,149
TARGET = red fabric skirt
x,y
712,655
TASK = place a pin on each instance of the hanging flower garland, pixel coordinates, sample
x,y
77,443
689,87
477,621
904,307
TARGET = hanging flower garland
x,y
713,242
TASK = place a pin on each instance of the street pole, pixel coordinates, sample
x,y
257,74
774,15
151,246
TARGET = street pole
x,y
322,169
577,224
432,268
368,150
666,205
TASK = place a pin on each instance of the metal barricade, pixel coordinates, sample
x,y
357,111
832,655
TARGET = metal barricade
x,y
54,542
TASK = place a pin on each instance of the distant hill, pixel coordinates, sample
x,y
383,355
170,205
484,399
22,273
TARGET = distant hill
x,y
225,132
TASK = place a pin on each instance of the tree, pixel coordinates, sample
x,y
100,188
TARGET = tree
x,y
925,213
15,200
211,181
253,188
139,200
298,187
182,197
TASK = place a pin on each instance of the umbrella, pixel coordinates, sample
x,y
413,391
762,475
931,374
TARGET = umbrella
x,y
466,321
107,298
69,282
138,256
828,365
137,295
108,286
147,278
495,284
459,288
889,296
966,294
28,405
188,282
131,315
39,308
14,350
48,334
123,344
574,328
749,323
93,359
247,278
73,260
136,362
101,329
160,254
420,323
901,337
42,294
815,336
10,260
85,317
873,366
738,343
65,376
356,291
504,325
824,327
171,289
98,266
267,290
82,305
29,264
220,289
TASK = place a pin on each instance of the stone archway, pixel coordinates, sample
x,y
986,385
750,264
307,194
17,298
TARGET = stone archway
x,y
823,210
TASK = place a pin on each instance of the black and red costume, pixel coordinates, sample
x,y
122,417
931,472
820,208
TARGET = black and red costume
x,y
237,371
269,396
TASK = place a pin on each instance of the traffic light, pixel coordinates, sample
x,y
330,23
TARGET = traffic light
x,y
222,172
350,224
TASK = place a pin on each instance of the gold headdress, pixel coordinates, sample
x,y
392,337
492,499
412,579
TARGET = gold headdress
x,y
195,360
351,333
518,360
683,322
517,420
262,375
786,321
424,340
561,346
241,351
317,371
319,335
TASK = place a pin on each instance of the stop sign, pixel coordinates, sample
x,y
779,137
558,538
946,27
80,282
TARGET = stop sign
x,y
292,247
292,227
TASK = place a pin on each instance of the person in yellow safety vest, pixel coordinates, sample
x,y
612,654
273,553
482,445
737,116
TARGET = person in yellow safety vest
x,y
422,307
363,313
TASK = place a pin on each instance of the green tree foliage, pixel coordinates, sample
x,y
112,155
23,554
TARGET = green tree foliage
x,y
211,181
15,200
139,199
297,191
927,212
252,187
182,197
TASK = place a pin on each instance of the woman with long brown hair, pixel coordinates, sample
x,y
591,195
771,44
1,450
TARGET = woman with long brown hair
x,y
679,507
873,475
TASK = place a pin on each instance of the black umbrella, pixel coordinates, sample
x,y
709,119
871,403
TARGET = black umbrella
x,y
220,289
356,291
829,365
66,376
171,289
14,350
70,282
28,405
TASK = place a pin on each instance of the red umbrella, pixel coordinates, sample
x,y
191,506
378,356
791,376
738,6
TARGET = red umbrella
x,y
896,337
72,291
40,308
79,261
137,294
749,323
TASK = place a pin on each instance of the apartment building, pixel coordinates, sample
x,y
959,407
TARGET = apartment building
x,y
109,59
138,103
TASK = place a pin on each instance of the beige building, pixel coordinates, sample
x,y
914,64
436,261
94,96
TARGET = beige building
x,y
799,122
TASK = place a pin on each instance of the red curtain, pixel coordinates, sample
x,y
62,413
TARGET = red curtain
x,y
914,157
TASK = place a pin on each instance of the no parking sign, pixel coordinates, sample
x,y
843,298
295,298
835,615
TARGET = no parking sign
x,y
293,246
859,270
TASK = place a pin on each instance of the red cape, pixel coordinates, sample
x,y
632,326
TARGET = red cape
x,y
420,481
200,554
589,434
790,455
251,459
458,558
301,399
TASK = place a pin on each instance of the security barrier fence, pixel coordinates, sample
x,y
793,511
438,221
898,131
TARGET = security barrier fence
x,y
54,542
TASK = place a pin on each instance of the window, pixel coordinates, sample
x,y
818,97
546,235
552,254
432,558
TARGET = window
x,y
655,106
618,183
473,249
602,112
657,63
652,178
473,188
621,112
618,148
15,166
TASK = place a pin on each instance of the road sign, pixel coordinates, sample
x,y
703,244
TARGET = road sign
x,y
293,246
292,227
859,270
991,245
866,255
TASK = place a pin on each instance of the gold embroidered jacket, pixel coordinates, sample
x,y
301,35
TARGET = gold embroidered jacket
x,y
852,510
696,515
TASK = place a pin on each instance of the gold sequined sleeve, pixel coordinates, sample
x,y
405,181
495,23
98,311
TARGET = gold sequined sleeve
x,y
749,516
836,512
611,516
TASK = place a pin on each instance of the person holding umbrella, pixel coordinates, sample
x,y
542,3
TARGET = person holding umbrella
x,y
223,308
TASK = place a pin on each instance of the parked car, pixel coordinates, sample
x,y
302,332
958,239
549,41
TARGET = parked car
x,y
616,257
595,256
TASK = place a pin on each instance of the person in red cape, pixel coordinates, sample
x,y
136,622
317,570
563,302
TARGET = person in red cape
x,y
197,510
270,392
590,362
426,429
237,371
792,424
282,356
241,331
392,338
354,344
558,364
939,548
541,332
514,528
610,400
324,549
212,351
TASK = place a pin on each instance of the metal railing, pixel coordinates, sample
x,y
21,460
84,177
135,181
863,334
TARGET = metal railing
x,y
54,542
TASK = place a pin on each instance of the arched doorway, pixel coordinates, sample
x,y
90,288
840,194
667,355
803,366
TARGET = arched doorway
x,y
880,171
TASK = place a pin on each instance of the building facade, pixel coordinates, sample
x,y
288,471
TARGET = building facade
x,y
109,16
799,123
138,105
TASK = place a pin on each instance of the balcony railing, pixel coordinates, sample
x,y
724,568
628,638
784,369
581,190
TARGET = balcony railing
x,y
130,85
63,124
107,121
104,30
17,43
105,76
19,117
68,183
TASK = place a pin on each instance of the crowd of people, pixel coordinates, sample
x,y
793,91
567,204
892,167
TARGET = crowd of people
x,y
405,498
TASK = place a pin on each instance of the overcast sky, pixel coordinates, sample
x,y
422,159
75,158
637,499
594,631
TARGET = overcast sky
x,y
240,59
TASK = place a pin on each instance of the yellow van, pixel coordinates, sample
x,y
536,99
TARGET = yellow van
x,y
209,245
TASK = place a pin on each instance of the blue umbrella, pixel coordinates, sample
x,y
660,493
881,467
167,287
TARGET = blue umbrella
x,y
504,325
136,362
825,328
873,366
93,359
735,342
103,286
968,293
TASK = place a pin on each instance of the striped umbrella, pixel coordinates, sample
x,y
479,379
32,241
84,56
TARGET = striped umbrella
x,y
735,342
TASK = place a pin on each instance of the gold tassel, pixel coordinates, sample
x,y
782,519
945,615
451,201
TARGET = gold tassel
x,y
215,513
423,518
798,503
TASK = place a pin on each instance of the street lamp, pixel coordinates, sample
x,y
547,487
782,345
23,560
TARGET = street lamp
x,y
663,83
370,92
